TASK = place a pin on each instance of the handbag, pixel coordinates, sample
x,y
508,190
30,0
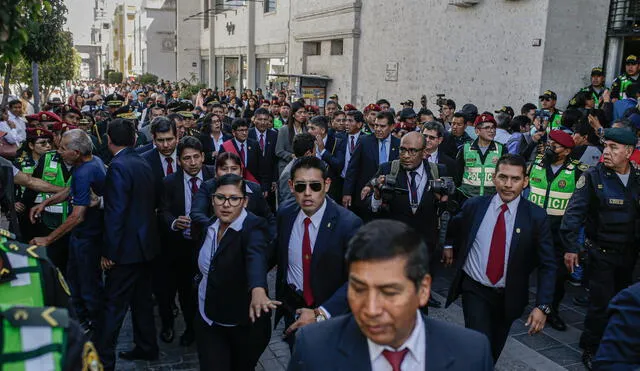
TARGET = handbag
x,y
7,150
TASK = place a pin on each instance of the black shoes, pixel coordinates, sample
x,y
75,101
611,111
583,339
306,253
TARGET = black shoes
x,y
187,338
137,354
433,303
554,320
587,359
167,334
581,301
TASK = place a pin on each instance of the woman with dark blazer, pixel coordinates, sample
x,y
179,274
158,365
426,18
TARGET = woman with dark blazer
x,y
211,137
231,329
296,124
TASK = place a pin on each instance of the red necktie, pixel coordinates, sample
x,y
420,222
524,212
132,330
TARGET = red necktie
x,y
307,293
395,358
194,185
242,154
495,264
169,166
262,142
352,146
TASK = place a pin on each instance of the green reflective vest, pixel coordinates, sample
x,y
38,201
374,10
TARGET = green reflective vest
x,y
277,123
27,166
553,197
478,176
555,121
54,215
625,82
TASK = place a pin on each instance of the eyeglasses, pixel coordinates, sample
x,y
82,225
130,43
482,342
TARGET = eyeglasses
x,y
220,200
430,137
411,151
302,186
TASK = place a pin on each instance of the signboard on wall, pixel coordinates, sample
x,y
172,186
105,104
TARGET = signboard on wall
x,y
314,95
391,72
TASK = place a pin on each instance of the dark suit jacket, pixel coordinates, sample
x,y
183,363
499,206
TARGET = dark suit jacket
x,y
153,159
269,161
425,219
131,234
254,163
339,345
142,149
329,271
364,163
207,147
202,211
237,266
334,155
619,345
449,164
531,247
172,203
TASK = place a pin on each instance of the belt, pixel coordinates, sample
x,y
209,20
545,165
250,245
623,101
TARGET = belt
x,y
495,290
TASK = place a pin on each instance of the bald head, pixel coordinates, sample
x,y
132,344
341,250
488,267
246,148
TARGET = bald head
x,y
412,150
414,139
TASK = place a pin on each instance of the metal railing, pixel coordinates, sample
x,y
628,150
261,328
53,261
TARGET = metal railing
x,y
624,18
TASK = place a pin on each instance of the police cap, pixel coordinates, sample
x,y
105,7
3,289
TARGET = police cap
x,y
620,135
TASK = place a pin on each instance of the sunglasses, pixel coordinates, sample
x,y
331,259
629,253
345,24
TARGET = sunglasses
x,y
301,187
220,200
545,99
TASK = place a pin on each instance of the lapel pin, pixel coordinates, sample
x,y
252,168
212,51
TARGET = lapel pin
x,y
329,225
517,230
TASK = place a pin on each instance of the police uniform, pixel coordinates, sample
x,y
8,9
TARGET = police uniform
x,y
552,192
37,330
188,131
609,210
556,117
597,96
622,82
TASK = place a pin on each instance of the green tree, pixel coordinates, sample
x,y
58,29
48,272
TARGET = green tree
x,y
148,79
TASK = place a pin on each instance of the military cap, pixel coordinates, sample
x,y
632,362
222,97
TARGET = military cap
x,y
63,127
372,107
35,133
34,117
186,105
114,100
185,114
333,96
173,106
597,71
485,117
408,102
46,116
548,94
562,138
407,113
506,109
125,112
631,59
349,107
620,135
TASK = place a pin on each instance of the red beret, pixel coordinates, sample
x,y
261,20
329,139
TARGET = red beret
x,y
372,107
46,116
62,127
485,117
34,133
349,107
34,117
562,138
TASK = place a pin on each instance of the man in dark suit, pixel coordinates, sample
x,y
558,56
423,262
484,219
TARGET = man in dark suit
x,y
434,134
313,234
508,237
162,158
372,151
330,149
249,152
131,243
266,139
178,191
388,281
618,348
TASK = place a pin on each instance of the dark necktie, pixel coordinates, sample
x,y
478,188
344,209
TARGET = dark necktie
x,y
495,264
352,146
242,154
262,143
395,358
169,165
307,292
414,188
194,185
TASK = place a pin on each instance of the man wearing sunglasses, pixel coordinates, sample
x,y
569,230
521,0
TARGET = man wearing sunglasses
x,y
313,234
548,101
622,82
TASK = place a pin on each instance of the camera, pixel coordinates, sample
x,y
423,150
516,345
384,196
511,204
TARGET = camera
x,y
442,186
388,189
441,100
543,114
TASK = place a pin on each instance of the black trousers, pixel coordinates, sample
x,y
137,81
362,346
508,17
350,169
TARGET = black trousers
x,y
235,348
484,311
609,273
126,285
562,274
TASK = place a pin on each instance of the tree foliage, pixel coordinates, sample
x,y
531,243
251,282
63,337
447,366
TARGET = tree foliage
x,y
148,79
15,16
45,34
115,77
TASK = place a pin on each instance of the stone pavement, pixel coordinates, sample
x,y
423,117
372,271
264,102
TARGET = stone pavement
x,y
548,351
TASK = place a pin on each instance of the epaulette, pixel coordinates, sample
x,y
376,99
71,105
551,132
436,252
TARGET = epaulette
x,y
580,165
13,246
37,317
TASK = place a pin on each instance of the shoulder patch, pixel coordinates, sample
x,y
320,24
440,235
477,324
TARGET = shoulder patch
x,y
90,359
581,182
583,167
36,316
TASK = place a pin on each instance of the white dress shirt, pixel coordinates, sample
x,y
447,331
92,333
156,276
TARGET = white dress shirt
x,y
320,153
246,149
414,360
421,180
433,158
217,143
476,264
207,251
347,155
21,126
163,161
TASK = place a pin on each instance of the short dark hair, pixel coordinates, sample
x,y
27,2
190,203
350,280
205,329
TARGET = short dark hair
x,y
585,129
383,101
434,125
230,179
225,156
460,114
263,111
425,111
122,132
215,105
633,90
309,162
320,121
450,103
162,124
519,122
331,102
14,102
386,115
357,115
385,239
238,123
527,107
188,142
302,143
570,117
513,160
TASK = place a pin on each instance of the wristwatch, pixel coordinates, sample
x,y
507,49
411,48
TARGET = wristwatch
x,y
545,309
319,315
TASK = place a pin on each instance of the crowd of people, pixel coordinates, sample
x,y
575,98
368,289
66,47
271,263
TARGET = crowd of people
x,y
141,198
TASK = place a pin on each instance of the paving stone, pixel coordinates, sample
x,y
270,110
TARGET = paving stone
x,y
562,355
537,341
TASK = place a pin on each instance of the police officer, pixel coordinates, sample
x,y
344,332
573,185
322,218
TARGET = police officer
x,y
552,181
597,86
606,202
33,316
548,101
478,159
622,82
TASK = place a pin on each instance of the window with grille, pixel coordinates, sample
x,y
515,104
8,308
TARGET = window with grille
x,y
624,18
270,5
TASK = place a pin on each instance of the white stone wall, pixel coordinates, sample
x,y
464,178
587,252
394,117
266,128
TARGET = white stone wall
x,y
159,27
188,43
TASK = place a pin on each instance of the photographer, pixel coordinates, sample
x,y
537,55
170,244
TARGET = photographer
x,y
410,199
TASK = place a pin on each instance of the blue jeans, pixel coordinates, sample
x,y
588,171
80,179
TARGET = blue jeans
x,y
84,276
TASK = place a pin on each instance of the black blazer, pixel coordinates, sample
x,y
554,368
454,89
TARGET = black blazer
x,y
329,271
142,149
237,266
531,247
269,161
449,164
340,345
153,159
364,163
334,155
208,147
131,234
254,163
